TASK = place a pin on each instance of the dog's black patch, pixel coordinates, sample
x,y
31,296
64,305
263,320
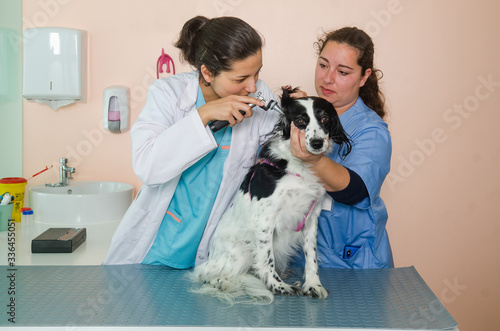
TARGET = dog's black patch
x,y
261,181
262,178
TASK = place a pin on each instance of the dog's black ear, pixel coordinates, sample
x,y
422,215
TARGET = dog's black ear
x,y
338,135
286,99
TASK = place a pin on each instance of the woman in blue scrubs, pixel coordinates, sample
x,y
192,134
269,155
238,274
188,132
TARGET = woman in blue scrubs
x,y
352,228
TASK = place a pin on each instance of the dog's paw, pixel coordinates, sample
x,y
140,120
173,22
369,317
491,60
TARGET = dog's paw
x,y
221,284
316,291
285,289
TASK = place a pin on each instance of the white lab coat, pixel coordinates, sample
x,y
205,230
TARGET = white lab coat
x,y
169,137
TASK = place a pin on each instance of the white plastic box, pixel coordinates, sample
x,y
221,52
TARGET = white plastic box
x,y
55,66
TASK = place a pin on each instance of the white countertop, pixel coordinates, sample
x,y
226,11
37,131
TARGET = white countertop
x,y
91,252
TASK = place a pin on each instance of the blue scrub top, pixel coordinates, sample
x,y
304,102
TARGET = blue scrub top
x,y
182,227
355,236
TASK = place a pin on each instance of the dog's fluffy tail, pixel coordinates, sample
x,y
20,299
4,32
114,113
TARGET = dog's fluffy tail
x,y
243,288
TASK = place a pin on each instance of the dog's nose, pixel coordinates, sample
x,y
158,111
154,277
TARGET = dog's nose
x,y
317,143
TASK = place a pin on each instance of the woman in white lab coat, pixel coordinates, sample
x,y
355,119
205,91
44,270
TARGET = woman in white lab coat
x,y
191,173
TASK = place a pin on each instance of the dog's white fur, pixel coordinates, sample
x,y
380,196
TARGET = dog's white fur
x,y
255,238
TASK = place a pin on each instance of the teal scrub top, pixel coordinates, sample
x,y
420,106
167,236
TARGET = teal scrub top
x,y
182,227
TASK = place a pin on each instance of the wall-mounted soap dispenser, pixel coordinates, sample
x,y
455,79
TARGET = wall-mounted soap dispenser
x,y
115,109
55,66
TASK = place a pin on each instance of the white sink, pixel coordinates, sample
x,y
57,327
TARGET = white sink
x,y
80,203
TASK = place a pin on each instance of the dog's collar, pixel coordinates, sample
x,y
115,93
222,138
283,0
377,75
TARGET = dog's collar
x,y
266,161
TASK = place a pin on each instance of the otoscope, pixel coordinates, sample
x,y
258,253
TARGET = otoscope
x,y
271,104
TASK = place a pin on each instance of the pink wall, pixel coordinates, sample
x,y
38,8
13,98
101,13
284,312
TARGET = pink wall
x,y
442,82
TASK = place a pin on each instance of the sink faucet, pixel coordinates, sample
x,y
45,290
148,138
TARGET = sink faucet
x,y
64,174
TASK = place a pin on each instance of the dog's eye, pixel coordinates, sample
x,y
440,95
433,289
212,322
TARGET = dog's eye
x,y
325,119
300,123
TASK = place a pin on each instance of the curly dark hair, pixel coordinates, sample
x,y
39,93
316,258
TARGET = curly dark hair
x,y
370,92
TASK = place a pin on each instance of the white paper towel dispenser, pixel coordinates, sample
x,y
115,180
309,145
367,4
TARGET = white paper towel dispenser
x,y
116,109
55,66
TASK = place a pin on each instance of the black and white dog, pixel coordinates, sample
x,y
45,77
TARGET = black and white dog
x,y
274,213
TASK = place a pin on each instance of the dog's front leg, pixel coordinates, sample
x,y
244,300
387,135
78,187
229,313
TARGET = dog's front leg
x,y
265,265
312,285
